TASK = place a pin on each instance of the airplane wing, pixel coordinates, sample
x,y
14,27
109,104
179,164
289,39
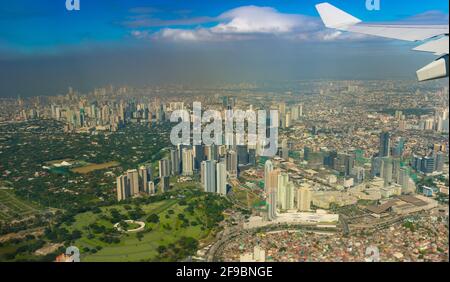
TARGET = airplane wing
x,y
436,37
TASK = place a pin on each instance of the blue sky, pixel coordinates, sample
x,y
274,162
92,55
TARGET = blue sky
x,y
33,26
42,38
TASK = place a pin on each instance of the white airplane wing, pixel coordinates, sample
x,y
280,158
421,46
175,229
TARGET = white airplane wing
x,y
436,36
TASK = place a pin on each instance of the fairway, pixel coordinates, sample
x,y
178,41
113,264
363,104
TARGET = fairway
x,y
93,167
168,230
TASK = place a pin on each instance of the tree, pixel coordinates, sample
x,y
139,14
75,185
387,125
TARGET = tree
x,y
153,218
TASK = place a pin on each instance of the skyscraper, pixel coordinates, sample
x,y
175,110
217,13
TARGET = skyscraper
x,y
232,164
133,180
164,168
304,196
272,195
385,144
199,156
268,168
209,176
144,178
188,162
123,188
283,180
221,177
174,162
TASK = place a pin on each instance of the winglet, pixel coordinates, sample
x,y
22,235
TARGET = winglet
x,y
333,17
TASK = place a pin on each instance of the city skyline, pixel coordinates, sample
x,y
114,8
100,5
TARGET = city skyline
x,y
141,43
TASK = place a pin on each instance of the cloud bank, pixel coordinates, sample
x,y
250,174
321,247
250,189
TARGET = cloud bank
x,y
249,22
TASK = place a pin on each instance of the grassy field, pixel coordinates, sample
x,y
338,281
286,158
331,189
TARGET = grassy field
x,y
130,247
93,167
12,208
245,197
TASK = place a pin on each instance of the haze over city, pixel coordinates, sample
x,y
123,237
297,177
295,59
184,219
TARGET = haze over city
x,y
197,42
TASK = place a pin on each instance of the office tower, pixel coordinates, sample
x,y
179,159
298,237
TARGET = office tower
x,y
329,157
272,194
386,171
282,108
289,195
349,164
209,176
232,164
283,180
133,180
199,156
304,196
144,178
359,174
284,149
300,110
252,156
165,183
428,164
242,154
385,144
268,168
151,187
288,119
375,169
123,188
221,177
164,167
188,162
439,161
397,151
174,162
211,153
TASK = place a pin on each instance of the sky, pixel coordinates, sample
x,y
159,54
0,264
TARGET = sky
x,y
44,48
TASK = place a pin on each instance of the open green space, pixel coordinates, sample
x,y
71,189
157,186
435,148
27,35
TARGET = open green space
x,y
169,225
13,208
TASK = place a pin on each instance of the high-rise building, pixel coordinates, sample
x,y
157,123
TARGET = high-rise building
x,y
304,196
144,178
385,144
133,180
221,177
232,164
199,156
188,162
242,154
174,162
283,179
165,183
272,194
123,188
164,167
268,168
209,176
289,195
386,171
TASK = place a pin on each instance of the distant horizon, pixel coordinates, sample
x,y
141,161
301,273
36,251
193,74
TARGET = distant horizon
x,y
44,48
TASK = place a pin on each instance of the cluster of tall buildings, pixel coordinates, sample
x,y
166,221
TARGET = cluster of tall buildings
x,y
430,163
289,114
134,182
281,194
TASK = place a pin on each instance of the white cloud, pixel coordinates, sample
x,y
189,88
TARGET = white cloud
x,y
253,19
252,22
